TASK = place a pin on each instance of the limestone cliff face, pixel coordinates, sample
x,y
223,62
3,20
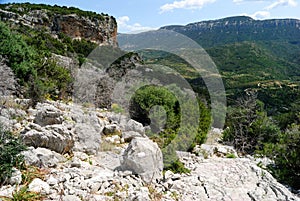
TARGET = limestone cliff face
x,y
101,29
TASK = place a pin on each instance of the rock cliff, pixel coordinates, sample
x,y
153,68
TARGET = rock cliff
x,y
99,28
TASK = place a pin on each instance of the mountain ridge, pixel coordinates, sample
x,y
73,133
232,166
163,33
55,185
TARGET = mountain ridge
x,y
237,29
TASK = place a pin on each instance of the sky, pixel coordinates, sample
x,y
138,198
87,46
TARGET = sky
x,y
141,15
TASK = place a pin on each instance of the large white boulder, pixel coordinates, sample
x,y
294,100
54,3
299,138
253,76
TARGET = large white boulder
x,y
143,157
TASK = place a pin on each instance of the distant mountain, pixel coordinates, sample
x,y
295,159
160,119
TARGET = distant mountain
x,y
238,29
263,55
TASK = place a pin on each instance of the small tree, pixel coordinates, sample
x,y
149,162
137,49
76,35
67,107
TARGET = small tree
x,y
248,125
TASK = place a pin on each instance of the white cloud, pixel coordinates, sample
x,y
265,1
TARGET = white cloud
x,y
186,4
242,1
124,26
259,15
278,3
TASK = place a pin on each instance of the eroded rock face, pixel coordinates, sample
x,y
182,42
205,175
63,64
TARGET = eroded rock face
x,y
143,157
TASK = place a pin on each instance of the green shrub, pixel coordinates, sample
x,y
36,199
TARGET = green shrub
x,y
24,195
150,96
117,108
158,107
39,75
63,10
10,148
177,167
18,54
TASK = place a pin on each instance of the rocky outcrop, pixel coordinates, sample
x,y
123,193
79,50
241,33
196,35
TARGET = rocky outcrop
x,y
8,83
56,137
227,179
87,138
109,167
101,29
47,115
63,128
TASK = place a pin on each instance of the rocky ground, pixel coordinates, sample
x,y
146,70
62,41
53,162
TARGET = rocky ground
x,y
91,154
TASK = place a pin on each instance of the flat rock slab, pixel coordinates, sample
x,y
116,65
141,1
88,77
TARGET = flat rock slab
x,y
230,179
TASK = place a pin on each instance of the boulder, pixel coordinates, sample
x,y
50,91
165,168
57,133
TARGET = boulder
x,y
56,138
47,115
7,191
42,157
39,186
135,126
143,157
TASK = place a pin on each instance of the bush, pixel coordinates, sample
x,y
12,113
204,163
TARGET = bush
x,y
10,148
18,54
158,107
150,96
39,75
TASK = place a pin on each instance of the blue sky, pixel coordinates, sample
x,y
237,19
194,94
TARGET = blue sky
x,y
139,15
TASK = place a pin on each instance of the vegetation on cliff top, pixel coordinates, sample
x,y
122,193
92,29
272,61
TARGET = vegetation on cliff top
x,y
25,8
